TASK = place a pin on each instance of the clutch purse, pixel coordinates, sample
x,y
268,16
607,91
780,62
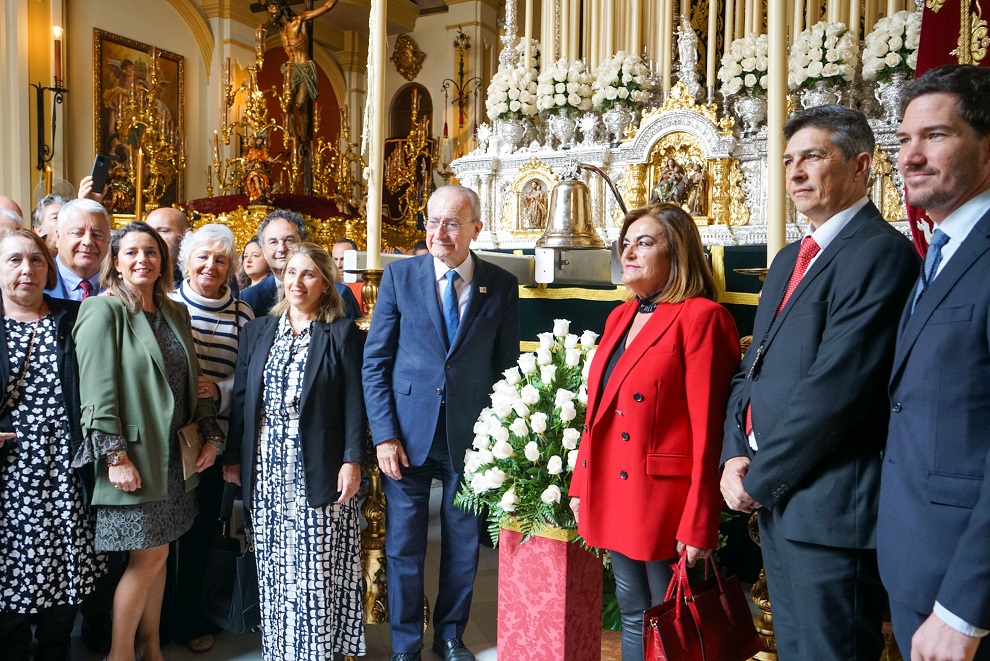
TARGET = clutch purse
x,y
707,622
191,443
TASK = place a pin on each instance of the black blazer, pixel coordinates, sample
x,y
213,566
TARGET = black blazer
x,y
64,312
331,407
819,393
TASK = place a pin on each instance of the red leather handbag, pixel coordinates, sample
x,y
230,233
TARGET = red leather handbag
x,y
708,622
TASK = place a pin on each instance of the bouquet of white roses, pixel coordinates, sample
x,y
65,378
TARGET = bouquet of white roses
x,y
511,94
525,443
564,84
825,51
892,47
744,66
622,79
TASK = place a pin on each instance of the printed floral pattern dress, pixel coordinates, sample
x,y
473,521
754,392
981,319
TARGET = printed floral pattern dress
x,y
309,559
48,558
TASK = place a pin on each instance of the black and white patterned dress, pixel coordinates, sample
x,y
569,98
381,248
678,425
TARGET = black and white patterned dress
x,y
309,559
48,556
151,524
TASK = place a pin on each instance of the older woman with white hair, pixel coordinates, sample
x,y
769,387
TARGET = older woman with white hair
x,y
206,258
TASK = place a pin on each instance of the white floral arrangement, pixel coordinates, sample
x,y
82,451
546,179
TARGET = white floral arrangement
x,y
825,51
564,85
525,444
744,67
511,94
892,47
622,79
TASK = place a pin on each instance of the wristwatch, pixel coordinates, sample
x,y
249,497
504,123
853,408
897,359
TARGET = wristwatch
x,y
115,458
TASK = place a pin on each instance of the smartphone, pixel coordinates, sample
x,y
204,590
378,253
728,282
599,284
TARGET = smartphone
x,y
101,167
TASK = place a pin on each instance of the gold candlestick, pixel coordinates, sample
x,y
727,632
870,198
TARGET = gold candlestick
x,y
139,186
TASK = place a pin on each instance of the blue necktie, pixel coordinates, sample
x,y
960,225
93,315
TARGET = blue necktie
x,y
932,259
450,306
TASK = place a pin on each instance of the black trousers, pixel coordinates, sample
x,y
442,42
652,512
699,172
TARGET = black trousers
x,y
638,585
53,631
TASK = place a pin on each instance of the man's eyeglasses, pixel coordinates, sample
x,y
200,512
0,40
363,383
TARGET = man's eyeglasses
x,y
450,226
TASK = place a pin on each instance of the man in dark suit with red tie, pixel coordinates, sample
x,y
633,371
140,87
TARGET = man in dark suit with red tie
x,y
445,326
934,524
807,414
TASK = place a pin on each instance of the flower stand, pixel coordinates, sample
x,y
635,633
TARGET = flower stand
x,y
549,599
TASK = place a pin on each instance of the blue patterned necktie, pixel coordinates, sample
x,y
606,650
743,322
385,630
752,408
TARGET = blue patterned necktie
x,y
932,259
450,306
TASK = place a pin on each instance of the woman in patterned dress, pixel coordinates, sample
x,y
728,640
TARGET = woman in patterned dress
x,y
206,258
49,561
138,385
297,430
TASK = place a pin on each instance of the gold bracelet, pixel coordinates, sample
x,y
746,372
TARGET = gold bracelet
x,y
116,458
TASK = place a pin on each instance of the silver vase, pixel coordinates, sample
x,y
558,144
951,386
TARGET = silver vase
x,y
510,132
889,96
616,119
751,111
562,129
822,93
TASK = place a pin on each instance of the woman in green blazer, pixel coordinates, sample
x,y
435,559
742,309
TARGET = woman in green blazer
x,y
138,383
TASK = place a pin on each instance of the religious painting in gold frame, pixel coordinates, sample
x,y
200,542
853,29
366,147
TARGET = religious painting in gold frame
x,y
526,210
678,172
120,64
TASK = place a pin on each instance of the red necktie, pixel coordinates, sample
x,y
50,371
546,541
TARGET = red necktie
x,y
87,288
809,248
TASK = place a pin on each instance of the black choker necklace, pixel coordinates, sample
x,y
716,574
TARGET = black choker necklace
x,y
647,304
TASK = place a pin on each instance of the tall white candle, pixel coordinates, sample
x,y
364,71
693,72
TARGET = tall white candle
x,y
730,24
668,33
635,27
854,16
528,35
748,16
870,14
776,116
797,19
608,43
710,55
376,151
564,10
892,7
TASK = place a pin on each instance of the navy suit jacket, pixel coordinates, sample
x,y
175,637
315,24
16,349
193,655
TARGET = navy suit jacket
x,y
935,497
408,366
819,392
331,410
263,296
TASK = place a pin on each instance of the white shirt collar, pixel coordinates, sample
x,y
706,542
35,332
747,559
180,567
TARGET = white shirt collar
x,y
961,222
465,269
832,227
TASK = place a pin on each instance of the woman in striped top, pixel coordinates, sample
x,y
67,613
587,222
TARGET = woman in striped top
x,y
206,258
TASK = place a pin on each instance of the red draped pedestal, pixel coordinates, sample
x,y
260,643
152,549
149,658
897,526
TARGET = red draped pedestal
x,y
549,600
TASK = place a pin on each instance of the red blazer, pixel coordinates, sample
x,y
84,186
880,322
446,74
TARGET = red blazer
x,y
647,467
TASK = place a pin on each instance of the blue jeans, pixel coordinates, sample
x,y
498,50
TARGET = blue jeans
x,y
638,586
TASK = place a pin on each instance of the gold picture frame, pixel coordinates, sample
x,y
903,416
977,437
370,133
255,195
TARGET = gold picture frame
x,y
120,63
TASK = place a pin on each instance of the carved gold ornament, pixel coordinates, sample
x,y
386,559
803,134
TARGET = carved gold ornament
x,y
407,57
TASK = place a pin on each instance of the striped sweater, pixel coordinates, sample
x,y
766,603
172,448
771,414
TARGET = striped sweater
x,y
216,327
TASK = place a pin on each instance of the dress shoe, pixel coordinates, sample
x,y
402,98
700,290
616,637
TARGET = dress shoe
x,y
201,644
452,649
406,656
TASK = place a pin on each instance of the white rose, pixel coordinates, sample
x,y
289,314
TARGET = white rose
x,y
502,450
561,327
815,69
479,483
527,363
501,406
529,395
622,93
611,93
551,494
485,456
587,363
895,42
572,459
499,433
543,356
480,428
514,106
892,60
912,60
519,428
574,100
572,357
555,465
588,339
512,376
532,451
520,408
583,394
495,477
830,69
548,373
560,99
749,80
509,500
480,442
563,396
538,423
571,438
546,340
568,412
471,463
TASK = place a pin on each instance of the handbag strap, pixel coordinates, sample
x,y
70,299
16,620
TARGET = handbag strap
x,y
227,502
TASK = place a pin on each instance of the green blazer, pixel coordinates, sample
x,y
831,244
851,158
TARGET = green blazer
x,y
123,391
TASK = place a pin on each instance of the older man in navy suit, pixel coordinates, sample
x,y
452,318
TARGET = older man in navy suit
x,y
934,528
445,326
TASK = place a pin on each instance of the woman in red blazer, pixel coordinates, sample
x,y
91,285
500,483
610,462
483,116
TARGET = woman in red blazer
x,y
645,485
